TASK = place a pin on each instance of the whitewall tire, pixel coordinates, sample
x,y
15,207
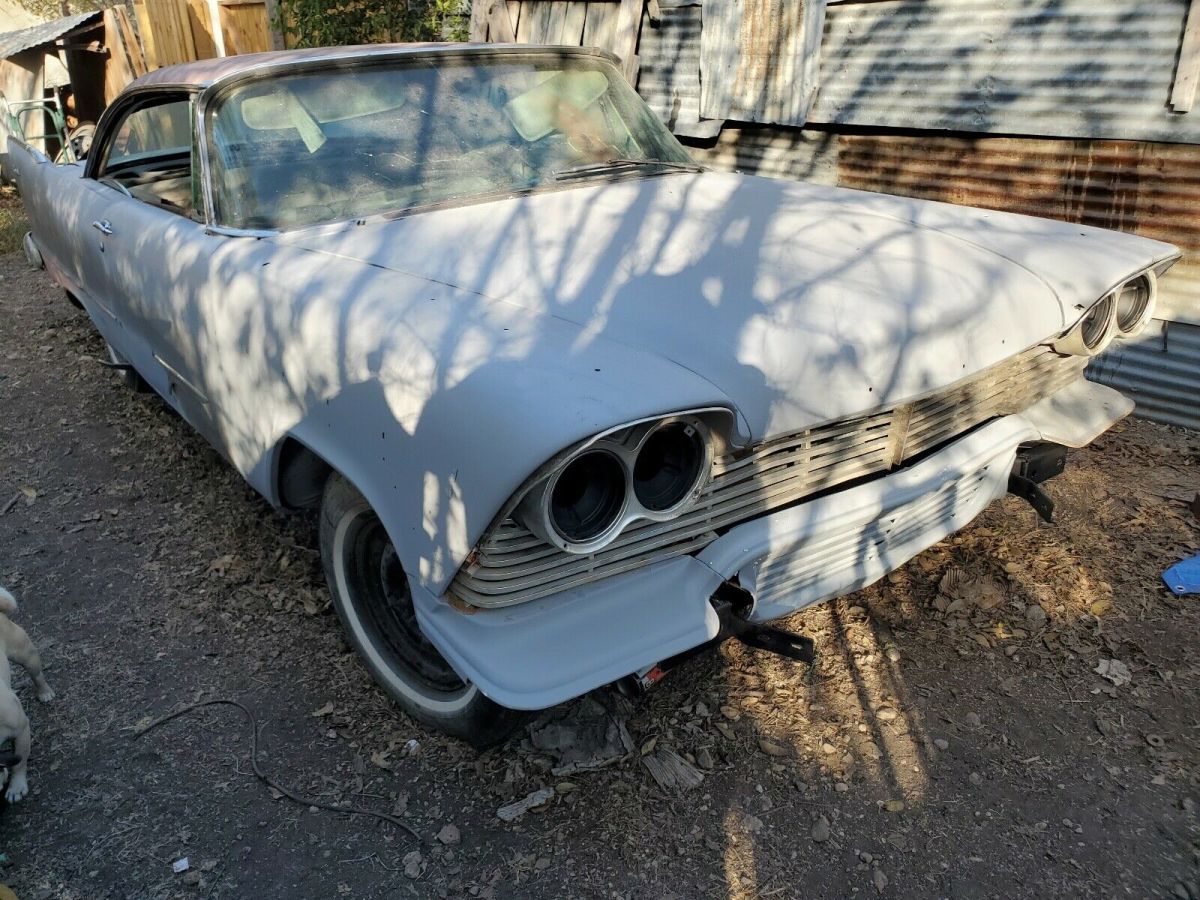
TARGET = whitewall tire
x,y
371,595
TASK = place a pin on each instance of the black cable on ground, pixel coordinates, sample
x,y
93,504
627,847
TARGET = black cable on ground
x,y
263,776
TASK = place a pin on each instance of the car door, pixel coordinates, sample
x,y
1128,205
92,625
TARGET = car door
x,y
88,259
151,245
60,204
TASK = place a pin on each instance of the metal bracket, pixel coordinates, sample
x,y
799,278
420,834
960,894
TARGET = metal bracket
x,y
787,644
1028,490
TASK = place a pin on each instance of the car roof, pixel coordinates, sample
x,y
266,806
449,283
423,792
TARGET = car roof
x,y
204,73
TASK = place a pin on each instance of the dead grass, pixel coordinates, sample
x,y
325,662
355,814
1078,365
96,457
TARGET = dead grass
x,y
13,223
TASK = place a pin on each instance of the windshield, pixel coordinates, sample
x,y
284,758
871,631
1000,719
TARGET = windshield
x,y
342,143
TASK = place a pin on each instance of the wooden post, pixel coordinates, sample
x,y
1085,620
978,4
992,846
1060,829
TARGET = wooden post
x,y
499,24
218,34
479,20
629,21
1187,70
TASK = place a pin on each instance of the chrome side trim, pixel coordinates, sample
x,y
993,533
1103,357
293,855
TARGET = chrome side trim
x,y
175,376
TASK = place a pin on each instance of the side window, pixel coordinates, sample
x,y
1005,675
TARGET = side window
x,y
149,156
152,131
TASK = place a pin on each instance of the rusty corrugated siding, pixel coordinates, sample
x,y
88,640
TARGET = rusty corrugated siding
x,y
1160,370
1151,189
1068,68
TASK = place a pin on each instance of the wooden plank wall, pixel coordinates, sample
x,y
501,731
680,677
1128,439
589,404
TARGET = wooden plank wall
x,y
608,24
125,58
245,26
166,31
200,20
175,31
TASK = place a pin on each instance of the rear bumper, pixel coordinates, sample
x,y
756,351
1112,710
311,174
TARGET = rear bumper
x,y
544,652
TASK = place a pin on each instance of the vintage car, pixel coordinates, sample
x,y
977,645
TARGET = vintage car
x,y
570,405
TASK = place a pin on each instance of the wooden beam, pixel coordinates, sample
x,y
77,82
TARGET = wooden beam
x,y
479,20
134,50
499,24
92,47
218,33
1187,70
629,21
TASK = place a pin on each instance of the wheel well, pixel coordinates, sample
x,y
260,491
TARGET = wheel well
x,y
300,476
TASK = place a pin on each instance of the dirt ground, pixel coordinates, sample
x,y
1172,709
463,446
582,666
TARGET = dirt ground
x,y
954,739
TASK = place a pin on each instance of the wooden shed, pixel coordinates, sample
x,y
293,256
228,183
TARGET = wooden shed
x,y
49,61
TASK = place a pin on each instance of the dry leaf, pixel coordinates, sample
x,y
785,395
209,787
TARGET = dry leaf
x,y
380,758
771,748
220,565
1115,671
323,711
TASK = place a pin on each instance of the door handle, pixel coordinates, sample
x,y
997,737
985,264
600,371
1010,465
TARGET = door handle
x,y
103,226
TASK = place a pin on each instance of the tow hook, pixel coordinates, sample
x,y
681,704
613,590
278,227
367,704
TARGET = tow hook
x,y
729,602
1036,463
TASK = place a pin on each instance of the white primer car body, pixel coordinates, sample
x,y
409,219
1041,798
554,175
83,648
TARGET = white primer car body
x,y
861,370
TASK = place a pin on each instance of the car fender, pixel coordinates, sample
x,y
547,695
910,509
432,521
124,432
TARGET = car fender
x,y
435,403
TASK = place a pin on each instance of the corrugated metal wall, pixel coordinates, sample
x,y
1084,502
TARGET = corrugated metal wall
x,y
669,77
759,59
1160,370
1068,68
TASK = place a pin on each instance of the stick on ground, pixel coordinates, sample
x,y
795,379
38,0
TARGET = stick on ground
x,y
263,776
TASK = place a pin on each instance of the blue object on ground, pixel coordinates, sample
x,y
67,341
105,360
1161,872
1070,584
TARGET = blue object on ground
x,y
1184,577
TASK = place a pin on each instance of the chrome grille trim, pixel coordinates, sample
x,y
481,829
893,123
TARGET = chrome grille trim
x,y
511,565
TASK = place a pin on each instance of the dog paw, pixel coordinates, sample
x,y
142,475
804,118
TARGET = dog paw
x,y
18,787
46,694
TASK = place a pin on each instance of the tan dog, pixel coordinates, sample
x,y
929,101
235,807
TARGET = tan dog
x,y
16,645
